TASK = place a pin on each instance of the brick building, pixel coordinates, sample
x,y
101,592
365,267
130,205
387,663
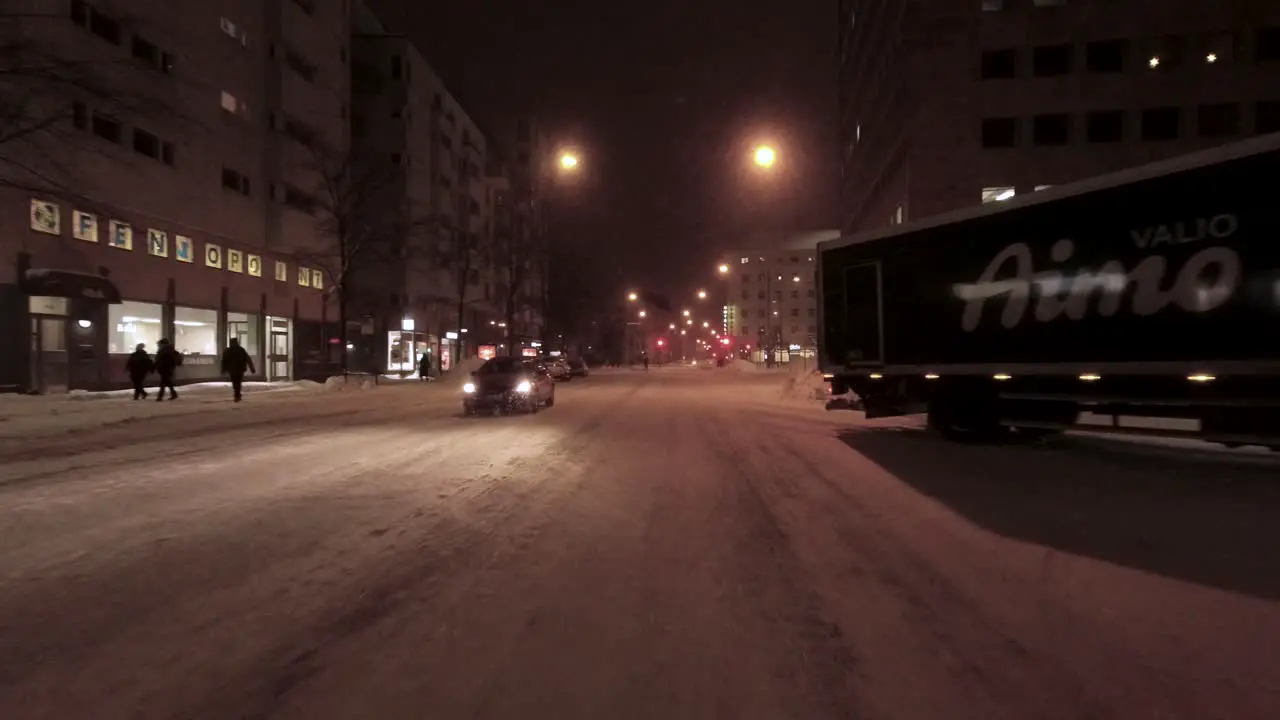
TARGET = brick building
x,y
950,103
165,185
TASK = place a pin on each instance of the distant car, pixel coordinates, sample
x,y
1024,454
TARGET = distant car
x,y
508,384
578,368
558,367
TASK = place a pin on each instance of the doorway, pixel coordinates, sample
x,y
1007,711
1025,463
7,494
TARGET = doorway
x,y
50,369
278,343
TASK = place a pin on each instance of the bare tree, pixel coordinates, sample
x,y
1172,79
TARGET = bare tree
x,y
363,229
462,253
517,255
50,92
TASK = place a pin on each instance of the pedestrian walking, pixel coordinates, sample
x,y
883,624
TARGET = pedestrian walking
x,y
139,366
424,367
167,361
646,363
235,360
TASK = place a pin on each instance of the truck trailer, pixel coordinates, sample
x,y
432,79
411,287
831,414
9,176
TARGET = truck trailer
x,y
1152,292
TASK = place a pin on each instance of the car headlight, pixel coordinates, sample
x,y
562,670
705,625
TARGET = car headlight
x,y
523,386
469,388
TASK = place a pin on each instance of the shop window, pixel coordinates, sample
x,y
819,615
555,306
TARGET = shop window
x,y
999,64
1105,56
1267,117
999,132
1218,120
130,323
1163,123
1106,126
195,331
247,329
1051,129
997,194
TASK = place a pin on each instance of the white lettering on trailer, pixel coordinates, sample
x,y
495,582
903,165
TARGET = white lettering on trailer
x,y
1207,280
1217,227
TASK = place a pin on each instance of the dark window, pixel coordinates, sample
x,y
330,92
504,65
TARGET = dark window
x,y
397,67
1106,126
396,158
299,65
1052,129
145,143
1218,120
80,13
1163,123
166,153
306,6
1268,44
342,54
80,116
296,198
999,132
106,128
1106,56
397,113
300,132
234,180
1051,60
146,52
1267,117
104,27
999,64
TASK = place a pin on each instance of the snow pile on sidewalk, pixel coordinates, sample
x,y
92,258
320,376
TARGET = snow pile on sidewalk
x,y
195,389
461,373
349,383
805,383
744,365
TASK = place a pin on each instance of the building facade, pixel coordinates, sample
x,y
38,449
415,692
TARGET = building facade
x,y
771,305
950,103
164,185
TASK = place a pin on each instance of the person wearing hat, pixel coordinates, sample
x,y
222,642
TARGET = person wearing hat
x,y
139,366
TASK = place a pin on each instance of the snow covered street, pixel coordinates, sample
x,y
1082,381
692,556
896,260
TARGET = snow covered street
x,y
669,544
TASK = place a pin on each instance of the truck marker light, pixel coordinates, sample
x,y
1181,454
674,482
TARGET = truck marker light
x,y
930,376
1090,378
875,376
1002,376
1201,378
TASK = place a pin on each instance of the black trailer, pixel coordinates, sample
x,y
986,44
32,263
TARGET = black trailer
x,y
1151,292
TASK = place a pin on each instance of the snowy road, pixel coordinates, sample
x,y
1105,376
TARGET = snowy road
x,y
676,544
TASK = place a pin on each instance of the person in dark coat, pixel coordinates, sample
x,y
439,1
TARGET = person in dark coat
x,y
424,367
235,360
139,366
167,362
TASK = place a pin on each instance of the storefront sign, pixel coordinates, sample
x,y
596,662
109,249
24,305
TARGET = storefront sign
x,y
304,277
120,235
406,324
529,352
46,217
488,352
213,255
282,271
451,335
158,243
235,261
253,265
84,226
43,305
183,249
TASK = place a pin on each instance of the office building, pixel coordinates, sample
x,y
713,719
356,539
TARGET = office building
x,y
950,103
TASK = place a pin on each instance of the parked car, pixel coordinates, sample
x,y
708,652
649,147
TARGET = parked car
x,y
558,367
578,368
508,384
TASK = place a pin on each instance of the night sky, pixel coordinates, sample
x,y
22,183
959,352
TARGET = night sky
x,y
665,99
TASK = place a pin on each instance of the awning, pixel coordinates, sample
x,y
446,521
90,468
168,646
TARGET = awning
x,y
69,284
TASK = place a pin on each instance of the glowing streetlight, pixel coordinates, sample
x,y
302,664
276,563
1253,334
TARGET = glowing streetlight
x,y
672,326
685,313
632,296
689,321
682,332
702,294
706,324
765,156
569,161
724,269
642,313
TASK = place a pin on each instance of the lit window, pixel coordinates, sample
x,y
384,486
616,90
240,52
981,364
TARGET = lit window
x,y
745,260
229,102
997,194
1153,62
1042,187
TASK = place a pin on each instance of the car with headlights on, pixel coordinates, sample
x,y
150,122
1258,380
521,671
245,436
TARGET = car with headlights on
x,y
558,367
506,385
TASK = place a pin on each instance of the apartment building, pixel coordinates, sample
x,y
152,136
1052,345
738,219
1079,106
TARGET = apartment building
x,y
950,103
168,184
771,304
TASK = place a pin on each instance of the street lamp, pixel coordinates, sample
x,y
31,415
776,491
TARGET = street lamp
x,y
765,157
632,297
706,324
568,161
685,313
642,313
689,321
702,294
724,269
672,326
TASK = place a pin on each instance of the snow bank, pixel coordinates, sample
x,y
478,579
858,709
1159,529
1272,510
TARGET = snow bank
x,y
196,389
744,365
350,383
461,372
805,384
